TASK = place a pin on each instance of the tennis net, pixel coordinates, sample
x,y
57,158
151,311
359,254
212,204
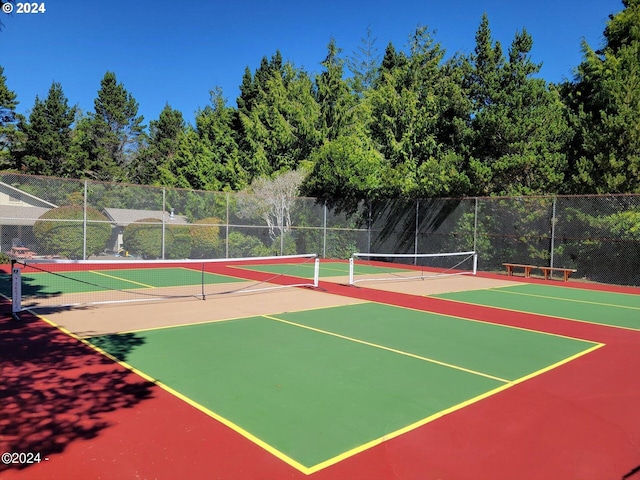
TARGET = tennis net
x,y
68,283
365,267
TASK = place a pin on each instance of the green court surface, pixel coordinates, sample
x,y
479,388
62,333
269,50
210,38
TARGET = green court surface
x,y
5,284
315,386
327,269
616,309
45,283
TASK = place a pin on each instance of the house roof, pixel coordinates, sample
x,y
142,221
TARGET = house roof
x,y
124,216
25,197
20,215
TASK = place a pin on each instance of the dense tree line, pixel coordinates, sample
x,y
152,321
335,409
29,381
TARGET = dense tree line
x,y
408,124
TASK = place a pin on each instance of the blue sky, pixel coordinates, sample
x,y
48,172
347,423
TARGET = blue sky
x,y
176,52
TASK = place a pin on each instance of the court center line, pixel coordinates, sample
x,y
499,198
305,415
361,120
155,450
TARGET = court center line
x,y
566,299
389,349
121,279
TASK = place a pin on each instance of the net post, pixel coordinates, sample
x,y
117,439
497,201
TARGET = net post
x,y
351,270
316,272
204,296
16,290
475,262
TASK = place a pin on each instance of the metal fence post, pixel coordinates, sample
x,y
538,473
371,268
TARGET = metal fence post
x,y
84,224
553,231
282,233
164,209
475,227
226,247
369,223
324,232
415,235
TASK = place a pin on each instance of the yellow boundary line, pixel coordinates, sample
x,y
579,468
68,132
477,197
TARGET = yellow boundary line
x,y
96,272
526,312
222,320
238,429
565,299
389,349
442,413
343,456
123,279
457,317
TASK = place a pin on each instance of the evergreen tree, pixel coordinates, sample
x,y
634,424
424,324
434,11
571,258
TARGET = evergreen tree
x,y
347,170
278,120
207,157
392,59
149,167
8,121
409,120
116,132
488,62
520,131
364,64
48,135
333,95
605,101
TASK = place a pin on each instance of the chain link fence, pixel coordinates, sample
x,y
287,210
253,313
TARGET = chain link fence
x,y
42,217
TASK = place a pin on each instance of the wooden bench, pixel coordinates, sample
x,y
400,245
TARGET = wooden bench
x,y
546,271
511,266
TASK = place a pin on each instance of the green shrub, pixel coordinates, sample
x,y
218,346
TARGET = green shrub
x,y
144,238
60,231
205,238
241,245
178,242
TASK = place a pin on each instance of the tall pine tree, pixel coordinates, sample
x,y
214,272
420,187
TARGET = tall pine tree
x,y
207,157
519,124
333,95
48,135
409,121
8,121
150,165
605,99
115,132
364,64
277,118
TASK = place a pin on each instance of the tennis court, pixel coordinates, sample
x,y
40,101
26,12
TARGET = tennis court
x,y
281,378
327,379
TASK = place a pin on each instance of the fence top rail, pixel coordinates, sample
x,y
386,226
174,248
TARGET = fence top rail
x,y
190,190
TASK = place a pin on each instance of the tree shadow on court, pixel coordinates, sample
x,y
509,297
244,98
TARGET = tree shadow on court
x,y
32,293
55,390
118,345
632,474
